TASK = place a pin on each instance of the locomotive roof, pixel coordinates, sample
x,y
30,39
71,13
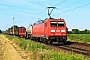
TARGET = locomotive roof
x,y
41,21
56,18
61,19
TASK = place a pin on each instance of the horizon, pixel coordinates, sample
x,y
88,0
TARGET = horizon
x,y
76,13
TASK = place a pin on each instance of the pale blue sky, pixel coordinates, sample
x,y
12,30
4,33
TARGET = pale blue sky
x,y
29,11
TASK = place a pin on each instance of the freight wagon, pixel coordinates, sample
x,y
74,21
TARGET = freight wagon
x,y
20,31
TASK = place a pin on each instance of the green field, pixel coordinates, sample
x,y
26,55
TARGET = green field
x,y
79,37
43,52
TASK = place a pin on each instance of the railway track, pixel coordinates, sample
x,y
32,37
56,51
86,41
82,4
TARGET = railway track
x,y
75,47
76,50
80,48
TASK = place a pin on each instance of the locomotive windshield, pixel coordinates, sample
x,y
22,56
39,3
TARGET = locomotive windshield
x,y
53,23
57,23
60,23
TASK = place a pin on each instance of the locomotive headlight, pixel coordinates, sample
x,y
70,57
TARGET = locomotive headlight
x,y
52,30
63,31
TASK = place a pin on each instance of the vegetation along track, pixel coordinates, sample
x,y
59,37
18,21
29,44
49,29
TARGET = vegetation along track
x,y
76,47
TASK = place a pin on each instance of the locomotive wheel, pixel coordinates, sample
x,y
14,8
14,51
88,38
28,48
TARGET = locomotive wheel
x,y
38,39
46,41
51,42
26,37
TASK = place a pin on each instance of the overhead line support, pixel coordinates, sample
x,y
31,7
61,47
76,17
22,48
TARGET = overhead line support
x,y
49,12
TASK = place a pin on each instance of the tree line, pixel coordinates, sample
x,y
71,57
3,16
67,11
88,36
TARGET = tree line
x,y
77,31
15,26
0,31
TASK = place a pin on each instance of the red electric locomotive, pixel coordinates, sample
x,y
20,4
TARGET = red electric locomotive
x,y
50,30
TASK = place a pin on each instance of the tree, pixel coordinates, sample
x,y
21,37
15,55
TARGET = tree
x,y
81,32
85,31
89,31
75,31
15,26
0,31
69,32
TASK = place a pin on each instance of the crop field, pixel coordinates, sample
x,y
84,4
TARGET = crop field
x,y
85,38
41,52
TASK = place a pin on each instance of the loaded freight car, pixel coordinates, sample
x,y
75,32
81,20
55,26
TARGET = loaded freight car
x,y
28,33
50,30
11,32
20,31
8,32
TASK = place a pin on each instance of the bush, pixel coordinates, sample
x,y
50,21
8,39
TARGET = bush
x,y
80,37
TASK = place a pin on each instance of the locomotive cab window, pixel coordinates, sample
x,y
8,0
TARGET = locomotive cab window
x,y
53,23
60,23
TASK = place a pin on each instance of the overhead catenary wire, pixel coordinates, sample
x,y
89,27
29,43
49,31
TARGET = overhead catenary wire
x,y
51,1
45,8
74,8
61,2
64,11
40,12
56,5
17,20
76,2
33,17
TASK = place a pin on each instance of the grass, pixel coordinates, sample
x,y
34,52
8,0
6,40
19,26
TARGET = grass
x,y
42,52
23,43
80,37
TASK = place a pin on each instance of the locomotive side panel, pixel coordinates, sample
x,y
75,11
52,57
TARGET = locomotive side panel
x,y
46,29
38,30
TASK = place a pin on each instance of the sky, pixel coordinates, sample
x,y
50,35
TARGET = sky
x,y
25,12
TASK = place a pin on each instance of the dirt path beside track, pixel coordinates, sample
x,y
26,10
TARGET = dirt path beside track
x,y
9,52
1,52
